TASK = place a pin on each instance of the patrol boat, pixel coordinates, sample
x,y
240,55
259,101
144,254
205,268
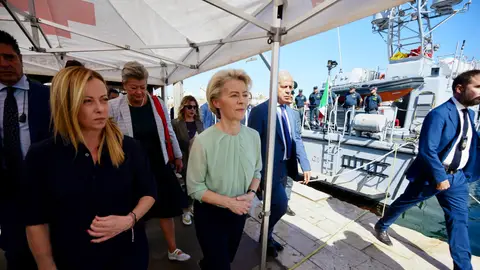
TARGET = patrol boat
x,y
371,159
388,89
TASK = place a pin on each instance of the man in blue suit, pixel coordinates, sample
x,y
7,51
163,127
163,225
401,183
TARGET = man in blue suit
x,y
207,117
24,120
445,165
288,149
248,110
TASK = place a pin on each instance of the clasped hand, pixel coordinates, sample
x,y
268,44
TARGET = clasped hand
x,y
104,228
241,204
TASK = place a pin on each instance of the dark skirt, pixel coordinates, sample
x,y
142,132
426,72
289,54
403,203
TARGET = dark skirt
x,y
171,198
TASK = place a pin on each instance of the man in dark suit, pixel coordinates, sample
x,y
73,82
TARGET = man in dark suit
x,y
24,119
446,163
288,149
248,110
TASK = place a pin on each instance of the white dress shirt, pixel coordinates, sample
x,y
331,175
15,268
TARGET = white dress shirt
x,y
465,152
21,94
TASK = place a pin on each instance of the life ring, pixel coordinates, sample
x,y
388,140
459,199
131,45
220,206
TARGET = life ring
x,y
382,76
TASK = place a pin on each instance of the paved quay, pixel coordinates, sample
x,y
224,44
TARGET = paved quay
x,y
325,234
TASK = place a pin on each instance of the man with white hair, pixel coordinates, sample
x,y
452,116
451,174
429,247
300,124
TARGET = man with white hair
x,y
288,151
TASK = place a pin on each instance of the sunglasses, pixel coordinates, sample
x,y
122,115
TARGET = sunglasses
x,y
191,107
286,86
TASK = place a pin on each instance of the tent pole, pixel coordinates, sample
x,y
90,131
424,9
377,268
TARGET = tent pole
x,y
234,32
272,121
20,24
33,22
265,61
239,13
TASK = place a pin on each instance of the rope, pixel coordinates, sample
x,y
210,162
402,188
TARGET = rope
x,y
325,244
391,180
475,199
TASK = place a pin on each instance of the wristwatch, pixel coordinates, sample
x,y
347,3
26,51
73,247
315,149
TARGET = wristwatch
x,y
251,190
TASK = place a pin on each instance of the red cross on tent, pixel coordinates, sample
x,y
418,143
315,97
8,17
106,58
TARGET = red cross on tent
x,y
60,11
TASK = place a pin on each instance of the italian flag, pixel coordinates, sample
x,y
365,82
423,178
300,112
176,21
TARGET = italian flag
x,y
322,107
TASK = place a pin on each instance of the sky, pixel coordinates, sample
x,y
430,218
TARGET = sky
x,y
306,59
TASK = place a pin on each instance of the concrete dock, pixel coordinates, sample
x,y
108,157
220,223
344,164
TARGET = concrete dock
x,y
325,234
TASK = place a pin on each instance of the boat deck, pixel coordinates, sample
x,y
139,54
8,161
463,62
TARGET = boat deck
x,y
325,234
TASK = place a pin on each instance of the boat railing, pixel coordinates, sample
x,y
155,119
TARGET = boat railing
x,y
391,125
332,117
350,120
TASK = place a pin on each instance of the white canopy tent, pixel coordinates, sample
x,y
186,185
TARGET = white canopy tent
x,y
174,39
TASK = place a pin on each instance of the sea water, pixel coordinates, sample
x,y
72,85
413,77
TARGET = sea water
x,y
428,219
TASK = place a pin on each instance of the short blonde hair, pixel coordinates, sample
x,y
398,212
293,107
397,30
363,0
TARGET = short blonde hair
x,y
216,83
66,97
134,70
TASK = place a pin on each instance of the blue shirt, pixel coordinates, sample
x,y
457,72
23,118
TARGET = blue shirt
x,y
208,118
315,99
21,94
247,115
300,101
352,99
372,102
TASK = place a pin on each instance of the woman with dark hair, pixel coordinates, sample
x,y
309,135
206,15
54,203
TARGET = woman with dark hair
x,y
186,127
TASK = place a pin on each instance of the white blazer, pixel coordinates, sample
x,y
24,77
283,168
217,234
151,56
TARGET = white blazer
x,y
120,112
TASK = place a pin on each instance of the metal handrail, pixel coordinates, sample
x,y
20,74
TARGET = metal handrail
x,y
351,120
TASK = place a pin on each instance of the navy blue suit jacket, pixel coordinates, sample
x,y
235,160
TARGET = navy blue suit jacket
x,y
440,129
38,117
258,120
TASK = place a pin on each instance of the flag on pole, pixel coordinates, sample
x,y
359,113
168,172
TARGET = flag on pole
x,y
322,107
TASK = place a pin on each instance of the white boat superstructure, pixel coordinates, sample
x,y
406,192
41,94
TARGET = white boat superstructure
x,y
371,159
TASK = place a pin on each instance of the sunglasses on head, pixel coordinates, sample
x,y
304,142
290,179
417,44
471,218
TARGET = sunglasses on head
x,y
191,107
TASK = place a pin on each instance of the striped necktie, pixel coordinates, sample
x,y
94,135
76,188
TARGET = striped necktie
x,y
286,132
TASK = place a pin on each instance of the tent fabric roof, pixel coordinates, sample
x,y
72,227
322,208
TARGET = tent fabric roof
x,y
174,39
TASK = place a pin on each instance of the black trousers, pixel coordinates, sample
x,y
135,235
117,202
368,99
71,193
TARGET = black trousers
x,y
13,238
219,232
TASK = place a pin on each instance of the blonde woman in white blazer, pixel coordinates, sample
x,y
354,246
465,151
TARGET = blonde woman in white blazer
x,y
146,119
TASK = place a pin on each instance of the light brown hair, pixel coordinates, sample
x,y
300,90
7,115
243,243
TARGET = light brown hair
x,y
181,109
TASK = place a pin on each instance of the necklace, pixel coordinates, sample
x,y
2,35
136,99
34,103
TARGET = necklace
x,y
130,104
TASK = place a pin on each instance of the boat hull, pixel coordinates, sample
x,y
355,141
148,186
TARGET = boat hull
x,y
382,182
389,90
